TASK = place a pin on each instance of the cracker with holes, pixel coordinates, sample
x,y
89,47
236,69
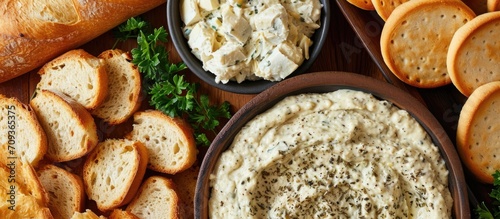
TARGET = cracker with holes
x,y
384,8
473,58
363,4
415,39
478,132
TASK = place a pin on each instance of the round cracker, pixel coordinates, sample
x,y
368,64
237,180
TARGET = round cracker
x,y
493,5
473,58
384,8
478,132
415,39
363,4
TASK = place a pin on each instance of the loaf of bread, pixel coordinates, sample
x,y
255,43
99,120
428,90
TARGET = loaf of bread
x,y
78,75
21,135
124,87
22,194
32,32
66,193
156,198
169,141
112,173
71,130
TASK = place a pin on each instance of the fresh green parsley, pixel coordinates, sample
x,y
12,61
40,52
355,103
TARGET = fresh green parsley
x,y
482,211
169,92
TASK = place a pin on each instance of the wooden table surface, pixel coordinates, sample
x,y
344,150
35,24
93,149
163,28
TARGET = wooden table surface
x,y
343,51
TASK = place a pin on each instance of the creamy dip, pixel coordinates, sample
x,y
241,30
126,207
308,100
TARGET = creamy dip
x,y
343,154
250,39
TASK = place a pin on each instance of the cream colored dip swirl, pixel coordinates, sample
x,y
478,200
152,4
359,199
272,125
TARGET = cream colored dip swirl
x,y
343,154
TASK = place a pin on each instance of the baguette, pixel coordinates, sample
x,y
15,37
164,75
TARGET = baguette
x,y
65,191
124,87
70,129
20,121
112,173
156,198
169,141
32,32
77,74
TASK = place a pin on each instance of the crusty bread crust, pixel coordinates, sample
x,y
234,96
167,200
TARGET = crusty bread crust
x,y
157,198
414,40
65,191
478,142
32,32
122,214
112,173
124,94
31,141
170,141
84,128
77,74
472,58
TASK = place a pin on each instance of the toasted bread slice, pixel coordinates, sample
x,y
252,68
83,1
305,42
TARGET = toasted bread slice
x,y
112,173
478,141
169,141
88,214
21,131
122,214
187,179
22,193
124,87
77,74
71,130
65,191
156,198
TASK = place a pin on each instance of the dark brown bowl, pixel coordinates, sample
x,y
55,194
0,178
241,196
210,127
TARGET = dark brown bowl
x,y
175,25
322,82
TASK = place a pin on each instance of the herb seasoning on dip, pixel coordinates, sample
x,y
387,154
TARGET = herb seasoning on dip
x,y
343,154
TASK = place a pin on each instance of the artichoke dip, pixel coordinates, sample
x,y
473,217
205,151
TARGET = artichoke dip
x,y
250,39
343,154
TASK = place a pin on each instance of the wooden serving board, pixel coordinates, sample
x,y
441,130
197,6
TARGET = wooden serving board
x,y
343,51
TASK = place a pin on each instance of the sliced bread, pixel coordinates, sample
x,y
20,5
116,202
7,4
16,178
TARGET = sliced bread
x,y
118,213
112,173
22,194
21,135
169,141
70,129
473,58
124,87
88,214
65,190
156,198
478,132
77,74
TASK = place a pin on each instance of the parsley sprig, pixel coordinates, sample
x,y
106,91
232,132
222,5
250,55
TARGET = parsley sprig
x,y
482,210
170,92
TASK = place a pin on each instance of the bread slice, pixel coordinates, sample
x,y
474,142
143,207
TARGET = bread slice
x,y
156,198
187,179
112,173
65,191
70,129
473,58
124,87
88,214
414,40
122,214
21,131
478,139
169,141
22,193
77,74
